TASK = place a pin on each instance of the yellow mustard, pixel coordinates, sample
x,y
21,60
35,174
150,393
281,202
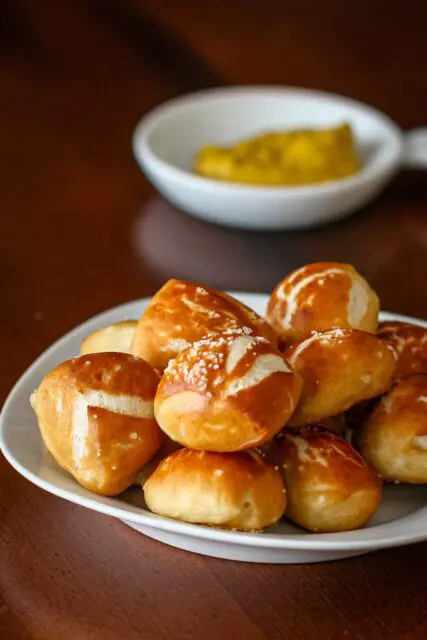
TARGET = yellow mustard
x,y
285,158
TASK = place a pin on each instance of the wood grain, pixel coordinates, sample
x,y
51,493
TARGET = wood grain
x,y
82,230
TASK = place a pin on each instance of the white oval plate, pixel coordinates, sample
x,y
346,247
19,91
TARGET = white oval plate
x,y
401,519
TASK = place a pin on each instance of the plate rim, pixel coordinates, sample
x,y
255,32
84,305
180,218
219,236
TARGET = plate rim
x,y
279,541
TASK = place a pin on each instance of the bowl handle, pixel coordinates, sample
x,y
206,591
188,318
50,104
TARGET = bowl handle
x,y
415,149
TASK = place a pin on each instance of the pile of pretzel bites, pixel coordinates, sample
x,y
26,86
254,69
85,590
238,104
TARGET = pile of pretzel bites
x,y
232,420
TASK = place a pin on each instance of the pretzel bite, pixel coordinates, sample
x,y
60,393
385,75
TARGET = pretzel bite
x,y
227,392
322,296
182,313
229,490
410,344
329,486
394,438
339,368
115,337
96,417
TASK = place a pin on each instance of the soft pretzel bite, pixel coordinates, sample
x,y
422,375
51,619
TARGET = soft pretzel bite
x,y
340,367
410,344
322,296
183,312
227,392
96,417
329,486
394,437
229,490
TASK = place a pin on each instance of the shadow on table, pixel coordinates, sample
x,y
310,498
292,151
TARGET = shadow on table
x,y
174,244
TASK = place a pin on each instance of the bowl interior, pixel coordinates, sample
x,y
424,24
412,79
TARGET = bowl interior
x,y
174,132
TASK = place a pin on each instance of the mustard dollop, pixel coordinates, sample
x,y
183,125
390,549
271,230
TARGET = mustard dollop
x,y
299,157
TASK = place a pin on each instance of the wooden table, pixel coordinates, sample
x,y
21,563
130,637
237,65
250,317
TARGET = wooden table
x,y
82,230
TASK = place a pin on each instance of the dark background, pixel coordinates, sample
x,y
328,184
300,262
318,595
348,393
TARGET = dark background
x,y
81,230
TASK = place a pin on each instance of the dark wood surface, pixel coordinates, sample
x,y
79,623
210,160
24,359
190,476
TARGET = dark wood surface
x,y
82,230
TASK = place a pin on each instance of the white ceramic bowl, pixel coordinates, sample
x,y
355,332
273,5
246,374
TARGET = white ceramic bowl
x,y
401,519
166,140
